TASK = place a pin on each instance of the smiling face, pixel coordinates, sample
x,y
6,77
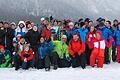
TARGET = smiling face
x,y
75,37
98,36
42,40
35,28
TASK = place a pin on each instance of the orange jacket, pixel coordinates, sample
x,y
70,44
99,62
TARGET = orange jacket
x,y
76,47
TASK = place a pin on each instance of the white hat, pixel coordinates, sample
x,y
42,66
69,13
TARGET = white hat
x,y
42,19
71,24
64,36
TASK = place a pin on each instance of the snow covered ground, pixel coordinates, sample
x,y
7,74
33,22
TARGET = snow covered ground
x,y
109,72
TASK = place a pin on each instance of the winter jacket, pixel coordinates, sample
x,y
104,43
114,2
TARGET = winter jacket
x,y
5,59
19,30
32,37
47,34
106,33
99,45
69,34
28,56
76,47
117,37
82,34
55,30
8,37
90,35
44,49
61,49
2,35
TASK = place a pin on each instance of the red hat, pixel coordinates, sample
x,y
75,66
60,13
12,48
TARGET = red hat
x,y
1,47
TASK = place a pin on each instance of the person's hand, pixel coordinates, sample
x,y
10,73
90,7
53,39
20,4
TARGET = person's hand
x,y
25,60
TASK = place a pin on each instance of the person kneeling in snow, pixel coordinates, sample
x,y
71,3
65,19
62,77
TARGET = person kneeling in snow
x,y
44,52
27,57
61,49
99,45
5,59
76,49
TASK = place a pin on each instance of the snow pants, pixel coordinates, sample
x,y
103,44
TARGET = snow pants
x,y
118,54
99,55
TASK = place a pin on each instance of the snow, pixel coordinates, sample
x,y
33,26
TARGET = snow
x,y
109,72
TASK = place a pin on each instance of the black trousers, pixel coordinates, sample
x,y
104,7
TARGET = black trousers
x,y
88,54
113,53
27,65
62,63
17,61
79,61
106,59
49,59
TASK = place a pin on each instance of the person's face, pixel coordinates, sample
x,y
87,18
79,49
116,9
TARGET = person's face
x,y
107,24
64,40
22,41
2,50
92,29
18,38
14,44
49,26
90,23
55,24
84,26
21,25
45,22
71,26
29,26
75,37
6,25
35,28
42,40
116,22
13,26
1,25
98,36
76,25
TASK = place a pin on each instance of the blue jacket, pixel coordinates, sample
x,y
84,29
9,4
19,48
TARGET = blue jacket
x,y
117,37
69,34
106,33
82,34
44,49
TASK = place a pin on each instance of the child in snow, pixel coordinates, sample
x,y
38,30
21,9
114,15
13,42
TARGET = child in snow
x,y
99,45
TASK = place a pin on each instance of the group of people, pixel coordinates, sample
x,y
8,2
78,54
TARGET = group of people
x,y
59,43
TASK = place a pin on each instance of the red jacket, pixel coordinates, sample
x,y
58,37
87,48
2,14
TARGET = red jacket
x,y
30,53
90,35
76,47
47,34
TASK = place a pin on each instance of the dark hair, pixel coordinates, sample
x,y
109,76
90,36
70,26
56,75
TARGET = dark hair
x,y
1,22
109,22
101,24
6,23
115,20
82,24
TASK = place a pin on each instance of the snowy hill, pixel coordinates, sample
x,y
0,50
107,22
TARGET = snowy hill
x,y
34,9
109,72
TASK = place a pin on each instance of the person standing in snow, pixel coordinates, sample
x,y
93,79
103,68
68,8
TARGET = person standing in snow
x,y
117,42
99,44
106,34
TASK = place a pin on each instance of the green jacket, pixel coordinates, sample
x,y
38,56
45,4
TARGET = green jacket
x,y
5,58
61,49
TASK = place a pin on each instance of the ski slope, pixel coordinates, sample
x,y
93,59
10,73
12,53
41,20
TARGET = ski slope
x,y
109,72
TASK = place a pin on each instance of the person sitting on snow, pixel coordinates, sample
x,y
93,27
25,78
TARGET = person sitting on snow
x,y
5,59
